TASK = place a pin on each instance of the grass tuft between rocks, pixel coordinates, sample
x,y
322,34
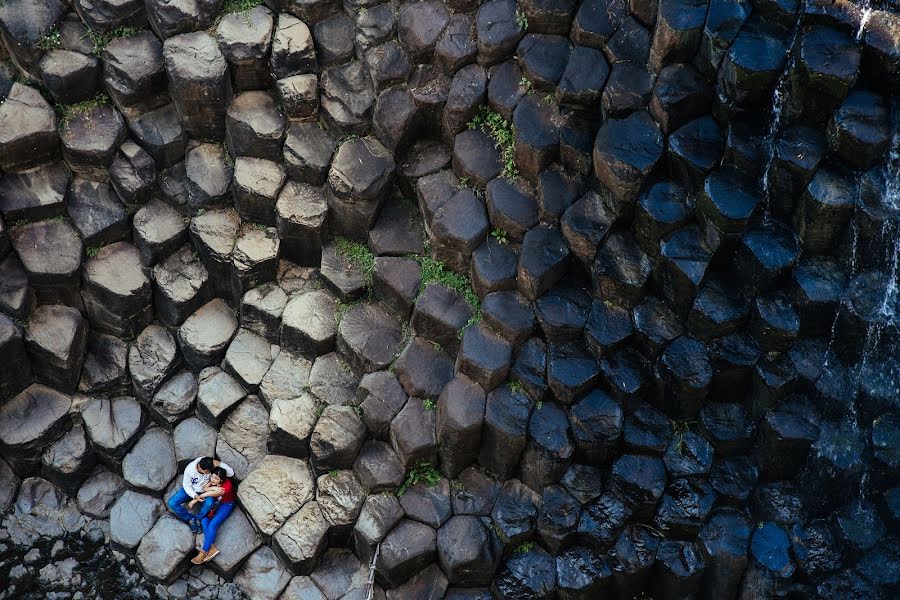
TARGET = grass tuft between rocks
x,y
434,271
100,40
501,131
65,112
424,472
50,40
524,548
237,6
357,255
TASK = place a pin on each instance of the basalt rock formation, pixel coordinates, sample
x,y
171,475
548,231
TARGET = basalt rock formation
x,y
537,299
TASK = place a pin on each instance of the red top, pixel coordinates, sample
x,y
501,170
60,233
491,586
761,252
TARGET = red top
x,y
228,491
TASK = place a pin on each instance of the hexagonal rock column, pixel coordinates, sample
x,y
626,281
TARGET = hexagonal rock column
x,y
131,518
242,439
308,326
465,551
336,439
406,549
16,294
159,230
160,132
29,422
90,139
96,212
300,215
56,338
199,83
460,416
205,335
152,358
174,399
217,394
70,77
150,465
254,126
51,253
134,73
360,174
625,151
112,426
181,286
369,338
34,194
302,540
116,291
27,129
307,153
96,496
299,96
245,39
274,490
12,348
213,235
248,358
207,176
293,51
167,19
163,552
255,188
263,575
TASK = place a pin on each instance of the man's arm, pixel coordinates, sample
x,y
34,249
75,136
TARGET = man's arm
x,y
228,469
187,484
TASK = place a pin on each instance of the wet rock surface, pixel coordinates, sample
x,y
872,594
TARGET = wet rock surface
x,y
479,299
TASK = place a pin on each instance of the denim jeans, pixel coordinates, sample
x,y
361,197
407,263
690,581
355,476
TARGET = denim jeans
x,y
177,505
211,525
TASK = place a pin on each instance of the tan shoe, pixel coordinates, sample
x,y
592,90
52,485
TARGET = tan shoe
x,y
200,558
213,552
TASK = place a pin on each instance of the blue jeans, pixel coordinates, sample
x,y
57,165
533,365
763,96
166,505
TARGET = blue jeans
x,y
211,525
177,504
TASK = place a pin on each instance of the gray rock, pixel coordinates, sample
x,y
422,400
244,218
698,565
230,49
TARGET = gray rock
x,y
336,439
261,310
307,153
112,425
299,96
134,72
51,253
341,575
254,126
10,485
159,230
302,540
150,465
152,358
379,468
291,423
28,127
181,286
308,324
207,176
332,381
96,212
245,39
406,549
105,367
217,393
248,358
302,588
90,138
380,397
242,439
263,576
301,214
293,52
193,438
340,497
347,97
199,82
205,335
116,291
99,492
69,461
286,379
379,514
236,540
162,553
413,434
159,131
56,337
360,173
369,338
214,234
32,419
175,398
274,490
132,516
254,260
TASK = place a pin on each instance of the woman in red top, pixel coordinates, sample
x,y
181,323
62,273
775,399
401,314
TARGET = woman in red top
x,y
218,502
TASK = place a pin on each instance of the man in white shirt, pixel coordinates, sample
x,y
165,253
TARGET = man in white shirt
x,y
196,475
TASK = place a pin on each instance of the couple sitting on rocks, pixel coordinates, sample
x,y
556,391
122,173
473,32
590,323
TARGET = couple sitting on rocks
x,y
206,482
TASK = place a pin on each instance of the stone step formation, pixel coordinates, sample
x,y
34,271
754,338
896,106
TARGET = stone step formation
x,y
538,299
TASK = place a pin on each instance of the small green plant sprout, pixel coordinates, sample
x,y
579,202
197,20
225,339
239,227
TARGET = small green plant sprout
x,y
679,430
424,472
500,235
548,99
239,6
429,404
456,485
333,473
524,548
463,182
526,83
501,131
356,255
521,20
92,251
515,385
100,40
65,112
50,40
22,324
58,218
538,404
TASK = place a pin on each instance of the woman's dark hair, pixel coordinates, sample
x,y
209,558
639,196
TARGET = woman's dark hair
x,y
206,463
221,473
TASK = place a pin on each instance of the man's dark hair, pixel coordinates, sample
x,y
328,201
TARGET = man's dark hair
x,y
221,473
206,463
